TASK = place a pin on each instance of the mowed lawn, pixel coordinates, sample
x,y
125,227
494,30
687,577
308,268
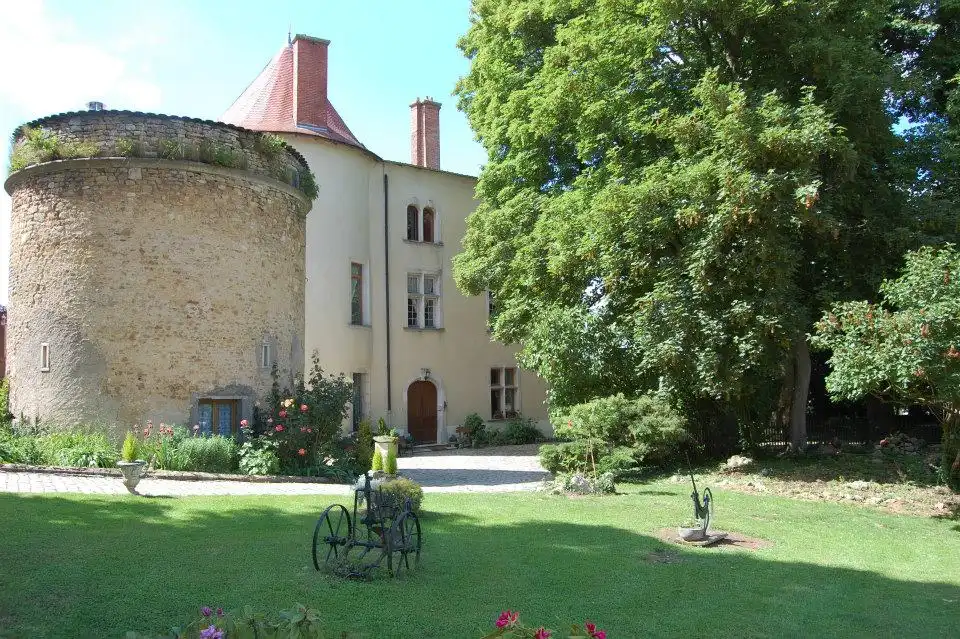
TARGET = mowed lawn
x,y
96,566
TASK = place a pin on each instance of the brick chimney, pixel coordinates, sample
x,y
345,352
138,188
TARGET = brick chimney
x,y
310,81
425,133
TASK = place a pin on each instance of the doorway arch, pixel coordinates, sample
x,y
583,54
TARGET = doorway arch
x,y
422,411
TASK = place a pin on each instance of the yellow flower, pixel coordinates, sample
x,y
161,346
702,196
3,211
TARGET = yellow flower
x,y
287,403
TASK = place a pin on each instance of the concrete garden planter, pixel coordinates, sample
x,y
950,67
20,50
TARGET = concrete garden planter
x,y
385,444
132,471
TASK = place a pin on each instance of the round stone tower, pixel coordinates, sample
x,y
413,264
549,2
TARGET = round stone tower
x,y
157,269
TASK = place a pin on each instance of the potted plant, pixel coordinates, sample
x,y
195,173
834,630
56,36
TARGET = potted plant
x,y
386,443
130,466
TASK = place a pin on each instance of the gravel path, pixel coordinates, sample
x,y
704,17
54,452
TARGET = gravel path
x,y
503,469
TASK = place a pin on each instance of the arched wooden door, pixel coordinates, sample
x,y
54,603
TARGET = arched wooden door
x,y
422,412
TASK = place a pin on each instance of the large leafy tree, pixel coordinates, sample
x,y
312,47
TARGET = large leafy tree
x,y
679,187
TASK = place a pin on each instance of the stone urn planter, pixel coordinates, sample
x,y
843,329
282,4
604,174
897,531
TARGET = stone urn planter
x,y
691,534
385,444
132,471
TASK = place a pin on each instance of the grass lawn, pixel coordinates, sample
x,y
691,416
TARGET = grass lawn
x,y
96,566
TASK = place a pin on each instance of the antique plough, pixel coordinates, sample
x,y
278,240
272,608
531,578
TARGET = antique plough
x,y
382,532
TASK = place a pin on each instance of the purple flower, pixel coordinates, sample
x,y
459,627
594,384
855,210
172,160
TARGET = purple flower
x,y
205,611
211,632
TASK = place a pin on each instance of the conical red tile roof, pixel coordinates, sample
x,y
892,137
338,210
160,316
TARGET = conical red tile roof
x,y
269,103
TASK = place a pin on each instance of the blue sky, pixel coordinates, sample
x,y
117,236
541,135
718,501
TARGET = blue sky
x,y
194,58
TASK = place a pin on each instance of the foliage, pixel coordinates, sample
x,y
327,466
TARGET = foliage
x,y
40,145
78,448
259,458
160,448
672,195
520,430
298,622
305,424
401,488
6,416
390,463
129,148
382,430
904,348
307,183
208,454
270,145
363,450
648,427
130,448
376,462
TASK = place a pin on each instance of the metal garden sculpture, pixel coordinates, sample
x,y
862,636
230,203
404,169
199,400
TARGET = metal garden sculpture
x,y
381,531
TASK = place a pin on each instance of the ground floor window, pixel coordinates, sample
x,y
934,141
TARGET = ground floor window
x,y
218,416
359,409
504,393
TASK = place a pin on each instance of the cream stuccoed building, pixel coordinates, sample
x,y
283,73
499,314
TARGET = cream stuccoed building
x,y
380,301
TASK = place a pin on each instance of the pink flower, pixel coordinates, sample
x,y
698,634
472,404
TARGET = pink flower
x,y
542,633
507,618
593,632
243,423
146,432
302,452
309,430
270,420
278,428
303,408
283,413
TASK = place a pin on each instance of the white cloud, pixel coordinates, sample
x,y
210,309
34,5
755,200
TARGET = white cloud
x,y
48,67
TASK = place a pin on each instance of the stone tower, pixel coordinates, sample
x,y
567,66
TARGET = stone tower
x,y
157,269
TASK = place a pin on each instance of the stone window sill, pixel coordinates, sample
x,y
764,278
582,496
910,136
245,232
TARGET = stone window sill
x,y
418,329
421,243
352,325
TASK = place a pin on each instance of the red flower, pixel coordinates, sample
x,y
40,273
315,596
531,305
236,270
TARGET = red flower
x,y
507,618
278,428
303,408
542,633
283,413
302,452
243,423
884,442
593,632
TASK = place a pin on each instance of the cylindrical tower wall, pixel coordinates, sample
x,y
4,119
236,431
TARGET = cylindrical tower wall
x,y
142,288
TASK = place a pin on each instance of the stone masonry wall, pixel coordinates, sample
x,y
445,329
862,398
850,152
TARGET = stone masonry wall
x,y
153,282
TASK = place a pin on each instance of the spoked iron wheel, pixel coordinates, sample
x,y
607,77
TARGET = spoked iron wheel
x,y
332,535
403,552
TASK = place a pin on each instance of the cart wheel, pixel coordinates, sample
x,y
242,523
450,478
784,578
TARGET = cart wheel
x,y
332,535
403,544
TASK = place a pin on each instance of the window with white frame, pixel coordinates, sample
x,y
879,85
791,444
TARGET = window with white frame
x,y
422,225
504,392
44,358
356,294
423,300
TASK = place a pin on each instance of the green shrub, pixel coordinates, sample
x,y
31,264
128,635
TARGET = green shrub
x,y
80,448
376,462
390,463
565,457
401,488
364,447
270,145
171,149
128,148
37,146
20,449
128,452
213,454
5,416
521,431
79,150
259,458
307,183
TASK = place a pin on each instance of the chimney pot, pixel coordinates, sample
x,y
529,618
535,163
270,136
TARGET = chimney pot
x,y
425,133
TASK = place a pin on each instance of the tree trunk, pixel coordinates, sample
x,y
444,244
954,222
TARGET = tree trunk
x,y
801,388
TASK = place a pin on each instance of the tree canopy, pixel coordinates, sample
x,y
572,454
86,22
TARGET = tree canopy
x,y
676,190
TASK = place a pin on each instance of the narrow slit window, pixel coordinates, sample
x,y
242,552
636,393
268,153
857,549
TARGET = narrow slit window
x,y
413,224
428,225
265,359
44,357
356,294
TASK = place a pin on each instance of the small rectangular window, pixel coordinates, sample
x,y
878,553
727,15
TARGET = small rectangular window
x,y
44,358
265,359
429,285
413,283
413,224
423,300
218,416
413,315
495,377
356,293
430,312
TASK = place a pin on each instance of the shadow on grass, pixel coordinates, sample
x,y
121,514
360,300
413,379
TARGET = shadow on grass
x,y
75,567
849,467
434,477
